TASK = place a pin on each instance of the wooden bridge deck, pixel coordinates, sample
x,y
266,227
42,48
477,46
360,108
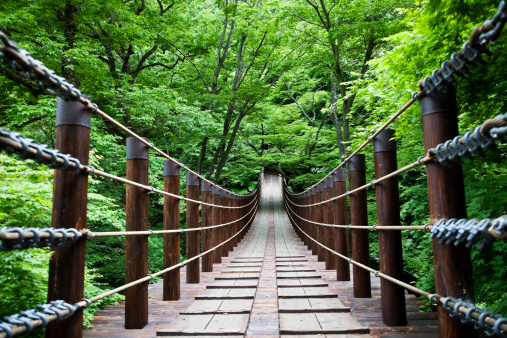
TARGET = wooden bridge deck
x,y
271,285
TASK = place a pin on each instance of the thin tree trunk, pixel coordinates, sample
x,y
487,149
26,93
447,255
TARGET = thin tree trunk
x,y
334,119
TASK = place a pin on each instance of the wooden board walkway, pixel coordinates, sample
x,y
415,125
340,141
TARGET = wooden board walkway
x,y
272,286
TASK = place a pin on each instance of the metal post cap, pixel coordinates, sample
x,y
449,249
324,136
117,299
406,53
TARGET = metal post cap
x,y
340,175
382,142
205,186
72,113
328,182
137,150
171,168
357,163
192,179
443,103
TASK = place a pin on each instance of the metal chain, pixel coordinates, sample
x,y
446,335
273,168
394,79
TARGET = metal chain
x,y
42,149
473,315
52,238
470,54
473,142
69,93
57,310
469,231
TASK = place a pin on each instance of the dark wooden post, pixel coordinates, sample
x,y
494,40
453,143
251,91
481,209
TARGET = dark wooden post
x,y
312,217
216,211
453,267
136,247
206,215
305,213
193,275
328,218
359,216
70,190
388,213
341,234
321,252
171,286
224,218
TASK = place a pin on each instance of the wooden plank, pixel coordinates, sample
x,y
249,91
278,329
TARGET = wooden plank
x,y
292,276
298,322
226,277
231,286
228,323
182,333
223,297
205,305
359,330
322,285
230,305
215,312
328,295
310,310
235,282
197,323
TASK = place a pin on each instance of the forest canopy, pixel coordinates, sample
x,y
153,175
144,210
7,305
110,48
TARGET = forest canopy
x,y
231,86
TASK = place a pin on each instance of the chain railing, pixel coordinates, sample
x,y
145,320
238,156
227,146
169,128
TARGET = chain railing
x,y
226,216
320,213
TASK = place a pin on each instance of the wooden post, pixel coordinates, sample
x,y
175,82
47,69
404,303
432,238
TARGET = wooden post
x,y
328,218
341,234
388,213
319,194
171,286
136,247
193,275
70,190
206,215
453,267
359,216
312,217
224,218
305,213
216,211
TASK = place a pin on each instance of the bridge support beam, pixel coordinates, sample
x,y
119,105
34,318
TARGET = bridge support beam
x,y
359,216
388,213
136,247
453,267
207,260
340,206
193,275
70,189
171,285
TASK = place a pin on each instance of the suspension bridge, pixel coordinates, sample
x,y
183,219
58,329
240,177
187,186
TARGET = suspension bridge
x,y
272,262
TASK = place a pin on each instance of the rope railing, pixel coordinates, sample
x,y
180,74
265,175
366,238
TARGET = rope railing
x,y
403,109
25,238
27,321
481,318
416,164
21,60
12,142
443,77
483,137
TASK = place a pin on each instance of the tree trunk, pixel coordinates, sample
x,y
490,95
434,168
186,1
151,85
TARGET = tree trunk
x,y
334,118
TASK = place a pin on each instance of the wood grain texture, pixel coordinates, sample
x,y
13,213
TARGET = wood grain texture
x,y
172,240
360,245
136,247
192,217
66,267
453,267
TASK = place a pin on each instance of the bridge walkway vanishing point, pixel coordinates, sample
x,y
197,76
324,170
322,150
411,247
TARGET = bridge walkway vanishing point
x,y
271,285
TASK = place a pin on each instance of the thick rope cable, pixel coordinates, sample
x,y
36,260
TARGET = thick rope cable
x,y
464,310
38,323
364,227
7,141
371,184
14,234
369,140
